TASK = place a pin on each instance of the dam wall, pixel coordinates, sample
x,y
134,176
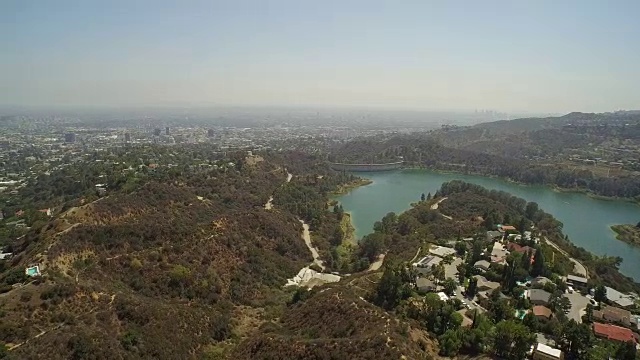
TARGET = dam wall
x,y
366,167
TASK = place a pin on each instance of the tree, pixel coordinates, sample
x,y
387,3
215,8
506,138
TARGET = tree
x,y
531,210
438,272
449,286
627,351
429,196
576,340
587,318
391,288
523,225
600,293
501,310
422,197
537,269
462,272
338,235
450,342
461,248
525,260
472,288
638,225
530,321
512,340
371,246
560,304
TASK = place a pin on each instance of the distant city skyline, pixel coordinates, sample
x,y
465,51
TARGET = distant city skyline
x,y
541,57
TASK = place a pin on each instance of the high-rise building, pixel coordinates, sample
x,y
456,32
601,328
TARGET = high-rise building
x,y
127,137
210,133
157,132
70,137
166,131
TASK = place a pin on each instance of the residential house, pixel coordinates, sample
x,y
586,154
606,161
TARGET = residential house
x,y
443,296
618,298
425,285
506,228
521,249
484,298
542,312
428,262
577,282
613,314
482,265
486,285
540,281
498,253
613,332
546,352
5,255
441,251
538,296
494,235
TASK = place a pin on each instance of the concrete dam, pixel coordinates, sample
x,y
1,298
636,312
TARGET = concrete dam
x,y
366,167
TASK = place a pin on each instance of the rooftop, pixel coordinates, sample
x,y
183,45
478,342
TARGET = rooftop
x,y
540,310
619,298
441,251
538,295
546,349
428,261
613,332
576,279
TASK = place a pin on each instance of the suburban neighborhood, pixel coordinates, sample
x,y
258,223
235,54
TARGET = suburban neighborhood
x,y
503,269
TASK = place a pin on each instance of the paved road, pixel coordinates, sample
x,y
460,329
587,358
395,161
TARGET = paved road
x,y
451,271
578,304
578,268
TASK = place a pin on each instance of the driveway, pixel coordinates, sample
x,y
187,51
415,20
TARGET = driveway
x,y
578,304
451,270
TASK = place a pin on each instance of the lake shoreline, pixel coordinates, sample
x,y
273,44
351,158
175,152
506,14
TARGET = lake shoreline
x,y
347,188
627,233
553,187
394,191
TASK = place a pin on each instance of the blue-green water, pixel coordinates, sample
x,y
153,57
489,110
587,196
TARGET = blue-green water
x,y
586,220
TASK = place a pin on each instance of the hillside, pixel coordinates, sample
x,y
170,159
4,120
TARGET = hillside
x,y
168,269
335,323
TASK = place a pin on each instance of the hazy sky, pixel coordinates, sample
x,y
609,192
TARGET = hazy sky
x,y
539,56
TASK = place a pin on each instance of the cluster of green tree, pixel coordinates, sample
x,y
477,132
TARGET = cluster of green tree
x,y
424,150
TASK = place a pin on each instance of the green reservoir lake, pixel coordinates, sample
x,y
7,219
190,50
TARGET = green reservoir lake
x,y
586,220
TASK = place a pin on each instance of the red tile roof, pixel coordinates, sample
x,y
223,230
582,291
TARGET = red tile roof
x,y
519,248
540,310
613,332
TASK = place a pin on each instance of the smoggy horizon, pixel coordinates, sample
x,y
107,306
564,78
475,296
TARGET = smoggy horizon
x,y
534,58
